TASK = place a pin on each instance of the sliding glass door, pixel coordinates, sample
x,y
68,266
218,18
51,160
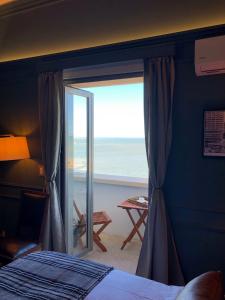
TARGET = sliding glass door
x,y
79,170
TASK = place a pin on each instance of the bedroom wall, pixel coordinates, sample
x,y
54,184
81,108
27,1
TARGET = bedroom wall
x,y
19,116
195,189
195,185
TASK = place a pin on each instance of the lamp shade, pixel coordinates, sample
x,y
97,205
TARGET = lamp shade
x,y
13,148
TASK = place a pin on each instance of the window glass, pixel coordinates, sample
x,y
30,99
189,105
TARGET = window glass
x,y
119,146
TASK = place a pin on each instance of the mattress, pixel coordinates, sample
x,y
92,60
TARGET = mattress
x,y
118,285
56,276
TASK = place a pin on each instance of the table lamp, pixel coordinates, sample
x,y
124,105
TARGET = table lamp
x,y
13,148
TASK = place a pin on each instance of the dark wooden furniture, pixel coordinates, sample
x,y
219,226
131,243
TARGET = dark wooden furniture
x,y
142,212
99,218
29,229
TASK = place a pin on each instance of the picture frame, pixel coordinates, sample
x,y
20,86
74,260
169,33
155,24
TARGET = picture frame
x,y
214,133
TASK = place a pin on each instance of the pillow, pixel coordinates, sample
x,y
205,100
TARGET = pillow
x,y
208,286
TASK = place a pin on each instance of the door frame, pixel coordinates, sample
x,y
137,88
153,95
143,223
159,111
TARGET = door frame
x,y
89,174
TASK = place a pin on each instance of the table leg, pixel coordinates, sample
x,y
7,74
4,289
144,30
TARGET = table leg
x,y
136,227
140,214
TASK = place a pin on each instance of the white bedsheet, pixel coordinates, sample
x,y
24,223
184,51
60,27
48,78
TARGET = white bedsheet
x,y
118,285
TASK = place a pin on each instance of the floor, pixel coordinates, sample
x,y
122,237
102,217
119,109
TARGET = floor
x,y
125,260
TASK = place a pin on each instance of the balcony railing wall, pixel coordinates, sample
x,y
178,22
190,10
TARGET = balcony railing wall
x,y
108,193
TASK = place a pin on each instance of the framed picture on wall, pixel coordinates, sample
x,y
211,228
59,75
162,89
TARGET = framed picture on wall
x,y
214,133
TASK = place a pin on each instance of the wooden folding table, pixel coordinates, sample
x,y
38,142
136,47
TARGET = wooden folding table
x,y
142,212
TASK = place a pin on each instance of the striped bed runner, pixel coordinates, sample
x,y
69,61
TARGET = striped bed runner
x,y
50,275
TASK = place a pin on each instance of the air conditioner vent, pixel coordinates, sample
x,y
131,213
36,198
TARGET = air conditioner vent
x,y
210,56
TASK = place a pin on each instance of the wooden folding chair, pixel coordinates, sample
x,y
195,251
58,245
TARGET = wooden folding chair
x,y
99,218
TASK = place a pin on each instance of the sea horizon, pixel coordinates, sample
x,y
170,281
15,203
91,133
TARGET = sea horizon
x,y
119,156
111,137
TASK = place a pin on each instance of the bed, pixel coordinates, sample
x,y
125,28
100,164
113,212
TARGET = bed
x,y
52,276
118,285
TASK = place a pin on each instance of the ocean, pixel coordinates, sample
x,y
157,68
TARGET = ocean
x,y
112,156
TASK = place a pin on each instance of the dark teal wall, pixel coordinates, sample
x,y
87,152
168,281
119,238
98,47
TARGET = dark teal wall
x,y
195,185
19,116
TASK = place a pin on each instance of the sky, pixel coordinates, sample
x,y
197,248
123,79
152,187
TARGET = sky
x,y
118,111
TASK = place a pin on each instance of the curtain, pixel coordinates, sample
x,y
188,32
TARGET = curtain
x,y
50,89
158,257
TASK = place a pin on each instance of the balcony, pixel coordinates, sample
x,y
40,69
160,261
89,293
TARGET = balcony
x,y
108,192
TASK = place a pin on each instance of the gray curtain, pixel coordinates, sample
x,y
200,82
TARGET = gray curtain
x,y
50,88
158,258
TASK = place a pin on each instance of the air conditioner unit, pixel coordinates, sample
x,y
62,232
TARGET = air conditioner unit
x,y
210,56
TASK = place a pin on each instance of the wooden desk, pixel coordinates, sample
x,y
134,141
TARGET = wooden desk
x,y
142,212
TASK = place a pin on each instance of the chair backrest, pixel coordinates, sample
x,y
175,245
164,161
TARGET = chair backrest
x,y
32,212
79,214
